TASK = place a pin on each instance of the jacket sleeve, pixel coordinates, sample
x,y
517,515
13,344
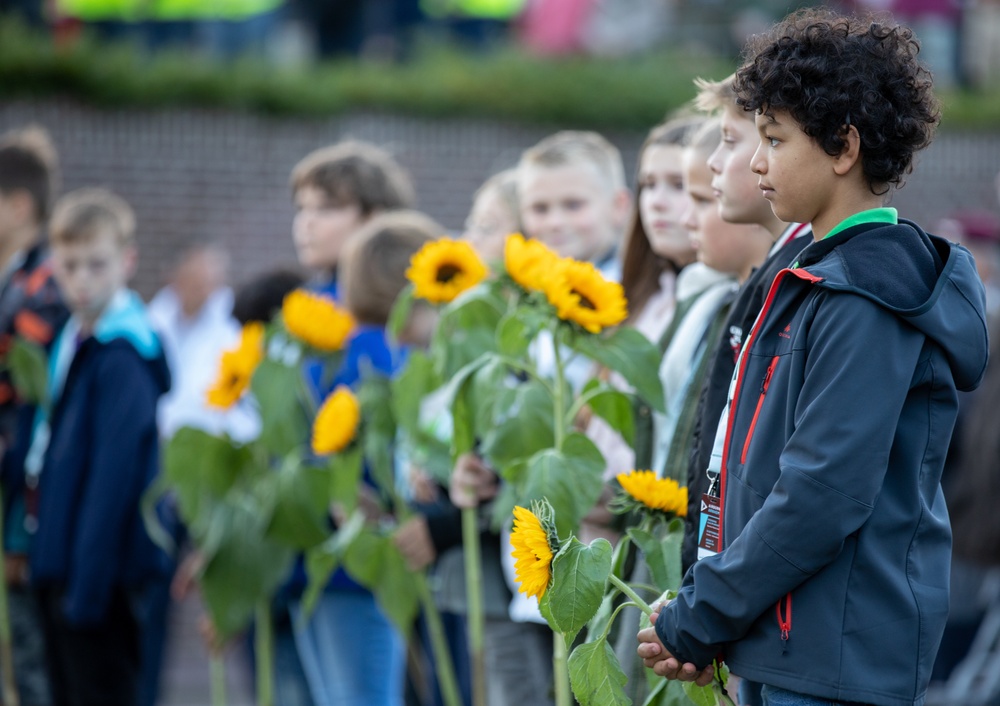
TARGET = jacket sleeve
x,y
124,428
859,366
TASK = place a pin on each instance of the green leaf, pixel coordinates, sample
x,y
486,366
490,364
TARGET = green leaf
x,y
513,335
323,559
466,329
29,371
409,388
242,566
202,468
300,518
284,425
524,428
630,354
379,436
482,391
373,561
569,479
400,312
703,695
596,677
614,407
662,555
345,475
579,576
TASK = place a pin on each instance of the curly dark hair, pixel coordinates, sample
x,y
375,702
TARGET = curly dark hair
x,y
830,71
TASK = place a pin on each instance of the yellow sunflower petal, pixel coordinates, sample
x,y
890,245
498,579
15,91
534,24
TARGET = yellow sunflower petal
x,y
532,553
445,268
581,294
663,494
316,320
336,422
528,262
236,368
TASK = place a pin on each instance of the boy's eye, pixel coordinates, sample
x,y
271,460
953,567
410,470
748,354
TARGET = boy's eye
x,y
573,205
676,183
772,141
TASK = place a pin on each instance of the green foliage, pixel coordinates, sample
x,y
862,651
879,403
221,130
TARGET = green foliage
x,y
29,372
613,406
300,518
596,676
242,566
569,479
522,426
579,575
629,353
284,424
662,555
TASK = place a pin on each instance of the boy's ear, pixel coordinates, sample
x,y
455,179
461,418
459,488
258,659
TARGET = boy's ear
x,y
851,154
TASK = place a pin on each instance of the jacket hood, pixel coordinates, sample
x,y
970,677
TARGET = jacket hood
x,y
927,281
126,320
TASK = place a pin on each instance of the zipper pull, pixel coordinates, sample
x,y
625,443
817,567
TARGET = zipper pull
x,y
767,378
784,620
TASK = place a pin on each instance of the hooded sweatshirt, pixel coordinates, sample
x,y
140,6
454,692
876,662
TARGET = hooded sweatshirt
x,y
101,452
834,577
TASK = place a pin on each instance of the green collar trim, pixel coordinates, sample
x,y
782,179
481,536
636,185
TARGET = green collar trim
x,y
873,215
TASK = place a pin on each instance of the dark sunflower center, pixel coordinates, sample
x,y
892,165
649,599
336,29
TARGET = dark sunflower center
x,y
584,302
446,273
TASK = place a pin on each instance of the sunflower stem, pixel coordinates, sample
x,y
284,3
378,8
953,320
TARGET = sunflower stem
x,y
217,671
557,394
560,669
474,603
633,596
263,644
10,695
443,664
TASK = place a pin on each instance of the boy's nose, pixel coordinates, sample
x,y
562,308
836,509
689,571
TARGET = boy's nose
x,y
758,165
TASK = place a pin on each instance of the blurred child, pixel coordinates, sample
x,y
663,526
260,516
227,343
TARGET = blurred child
x,y
93,456
573,197
32,309
337,190
657,248
495,215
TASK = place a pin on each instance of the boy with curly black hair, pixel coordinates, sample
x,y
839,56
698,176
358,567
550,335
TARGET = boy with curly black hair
x,y
844,396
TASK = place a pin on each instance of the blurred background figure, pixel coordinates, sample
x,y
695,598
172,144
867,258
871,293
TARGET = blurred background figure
x,y
193,316
495,214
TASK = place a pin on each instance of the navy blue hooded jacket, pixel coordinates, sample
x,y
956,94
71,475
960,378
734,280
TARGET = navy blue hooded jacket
x,y
834,577
102,454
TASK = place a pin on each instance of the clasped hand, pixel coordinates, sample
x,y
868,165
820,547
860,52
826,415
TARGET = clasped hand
x,y
655,656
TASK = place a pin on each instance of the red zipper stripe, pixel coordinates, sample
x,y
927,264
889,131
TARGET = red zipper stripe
x,y
760,403
801,274
785,620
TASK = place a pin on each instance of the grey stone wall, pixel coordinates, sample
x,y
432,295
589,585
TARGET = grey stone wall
x,y
224,174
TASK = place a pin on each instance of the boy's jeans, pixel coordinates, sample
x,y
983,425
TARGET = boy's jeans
x,y
773,696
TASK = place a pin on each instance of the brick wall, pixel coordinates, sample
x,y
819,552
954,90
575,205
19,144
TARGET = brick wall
x,y
224,174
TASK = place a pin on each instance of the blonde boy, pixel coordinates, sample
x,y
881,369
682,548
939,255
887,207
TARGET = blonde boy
x,y
573,197
94,454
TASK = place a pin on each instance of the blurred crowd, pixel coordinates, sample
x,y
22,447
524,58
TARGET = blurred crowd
x,y
960,37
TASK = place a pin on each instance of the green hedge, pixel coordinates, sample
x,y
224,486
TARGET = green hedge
x,y
578,92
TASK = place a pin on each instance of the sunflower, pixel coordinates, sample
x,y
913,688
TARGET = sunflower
x,y
443,269
528,262
532,552
662,494
336,422
236,367
580,294
316,320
